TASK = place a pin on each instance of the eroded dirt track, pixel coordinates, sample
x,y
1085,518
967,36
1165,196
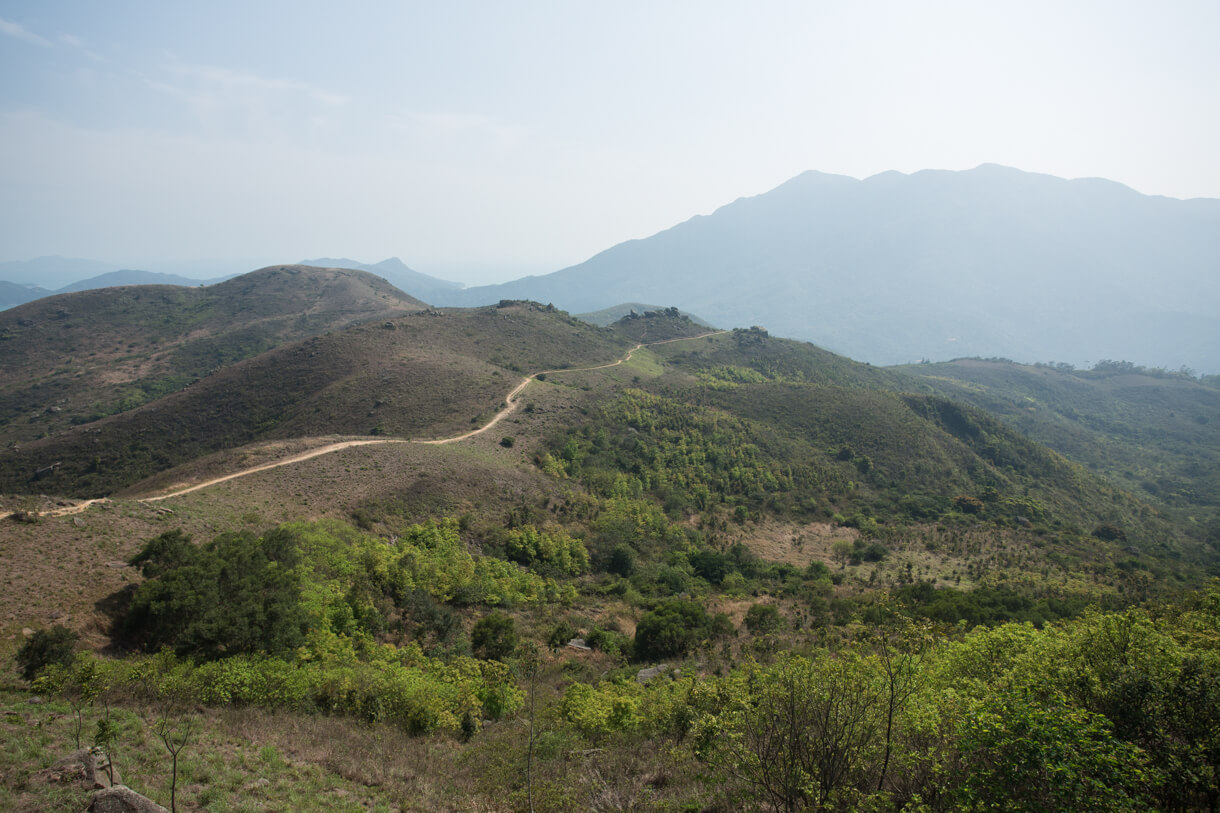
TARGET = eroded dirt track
x,y
510,405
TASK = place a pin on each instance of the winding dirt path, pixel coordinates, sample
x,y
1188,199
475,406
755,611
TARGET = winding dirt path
x,y
63,511
510,405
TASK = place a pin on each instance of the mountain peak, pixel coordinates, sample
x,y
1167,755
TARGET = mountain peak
x,y
991,261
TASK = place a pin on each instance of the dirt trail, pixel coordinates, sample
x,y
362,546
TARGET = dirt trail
x,y
64,510
510,402
321,450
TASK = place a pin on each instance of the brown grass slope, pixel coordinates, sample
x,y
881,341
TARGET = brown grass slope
x,y
423,375
70,359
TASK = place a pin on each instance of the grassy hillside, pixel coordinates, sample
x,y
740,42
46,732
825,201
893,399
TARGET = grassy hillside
x,y
1153,433
71,359
749,520
425,375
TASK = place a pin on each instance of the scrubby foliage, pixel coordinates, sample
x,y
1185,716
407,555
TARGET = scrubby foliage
x,y
674,627
305,616
936,613
1112,711
45,648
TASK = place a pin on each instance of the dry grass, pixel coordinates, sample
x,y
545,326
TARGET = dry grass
x,y
795,544
252,760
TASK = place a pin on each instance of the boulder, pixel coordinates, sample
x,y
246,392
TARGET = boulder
x,y
86,767
120,799
645,675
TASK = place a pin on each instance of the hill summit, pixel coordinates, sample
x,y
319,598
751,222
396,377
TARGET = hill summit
x,y
73,358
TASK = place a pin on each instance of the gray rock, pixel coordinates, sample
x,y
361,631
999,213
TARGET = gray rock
x,y
645,675
579,643
120,799
86,767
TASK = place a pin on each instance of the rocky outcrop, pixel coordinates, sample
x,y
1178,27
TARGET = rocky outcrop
x,y
120,799
86,767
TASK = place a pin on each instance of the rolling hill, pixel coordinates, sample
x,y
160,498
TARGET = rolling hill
x,y
731,504
74,358
933,265
423,374
1156,434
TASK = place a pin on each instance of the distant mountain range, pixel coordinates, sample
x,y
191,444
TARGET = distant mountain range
x,y
934,265
52,273
25,281
394,271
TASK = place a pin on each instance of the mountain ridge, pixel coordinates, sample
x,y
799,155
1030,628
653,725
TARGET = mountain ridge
x,y
397,273
937,264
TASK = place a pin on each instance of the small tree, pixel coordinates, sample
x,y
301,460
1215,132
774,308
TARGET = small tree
x,y
79,684
802,732
175,731
529,661
106,737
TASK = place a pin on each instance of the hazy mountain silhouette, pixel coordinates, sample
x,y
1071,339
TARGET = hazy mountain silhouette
x,y
52,273
14,293
407,280
992,261
129,276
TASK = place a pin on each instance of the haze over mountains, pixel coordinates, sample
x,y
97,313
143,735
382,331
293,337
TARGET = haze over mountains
x,y
899,268
22,282
937,264
397,274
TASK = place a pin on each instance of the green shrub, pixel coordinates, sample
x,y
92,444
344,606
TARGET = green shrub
x,y
762,618
675,627
560,634
621,561
46,648
494,637
238,594
552,549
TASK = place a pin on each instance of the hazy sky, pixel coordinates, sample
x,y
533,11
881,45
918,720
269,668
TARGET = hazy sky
x,y
482,141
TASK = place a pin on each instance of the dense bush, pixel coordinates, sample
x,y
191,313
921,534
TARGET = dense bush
x,y
984,605
402,687
494,637
305,584
46,648
550,549
239,593
674,627
762,618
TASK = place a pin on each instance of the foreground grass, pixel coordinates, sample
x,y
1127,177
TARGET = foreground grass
x,y
253,760
239,760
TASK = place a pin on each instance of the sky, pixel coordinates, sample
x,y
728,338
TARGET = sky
x,y
482,141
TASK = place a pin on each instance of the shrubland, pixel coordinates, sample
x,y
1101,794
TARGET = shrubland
x,y
794,584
